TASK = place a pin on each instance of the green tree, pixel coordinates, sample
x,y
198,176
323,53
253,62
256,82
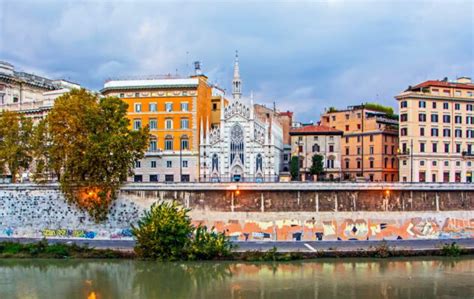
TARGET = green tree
x,y
15,151
90,148
40,145
317,166
294,168
165,232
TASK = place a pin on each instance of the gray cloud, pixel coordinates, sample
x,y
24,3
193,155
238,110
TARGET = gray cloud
x,y
305,56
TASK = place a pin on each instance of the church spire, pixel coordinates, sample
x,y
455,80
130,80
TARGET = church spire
x,y
236,82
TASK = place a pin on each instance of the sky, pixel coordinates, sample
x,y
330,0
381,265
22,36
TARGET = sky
x,y
303,55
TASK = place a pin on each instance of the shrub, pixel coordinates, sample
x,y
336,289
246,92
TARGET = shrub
x,y
452,249
165,232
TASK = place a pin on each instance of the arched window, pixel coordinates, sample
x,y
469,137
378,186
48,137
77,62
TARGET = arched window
x,y
215,162
184,142
169,143
236,144
386,162
153,144
259,162
315,148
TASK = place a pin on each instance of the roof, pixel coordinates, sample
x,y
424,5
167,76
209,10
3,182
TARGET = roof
x,y
154,83
287,113
446,84
315,130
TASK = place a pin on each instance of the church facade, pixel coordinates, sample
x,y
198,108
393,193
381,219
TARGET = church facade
x,y
243,148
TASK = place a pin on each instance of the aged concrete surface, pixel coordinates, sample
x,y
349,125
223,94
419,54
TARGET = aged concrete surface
x,y
251,213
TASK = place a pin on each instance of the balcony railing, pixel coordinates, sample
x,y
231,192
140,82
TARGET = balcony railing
x,y
467,154
404,152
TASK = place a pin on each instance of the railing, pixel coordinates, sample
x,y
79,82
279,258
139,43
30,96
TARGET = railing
x,y
466,154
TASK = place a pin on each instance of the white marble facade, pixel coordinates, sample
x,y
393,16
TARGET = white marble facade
x,y
242,148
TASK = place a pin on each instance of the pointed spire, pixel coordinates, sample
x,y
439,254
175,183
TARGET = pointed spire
x,y
251,105
236,82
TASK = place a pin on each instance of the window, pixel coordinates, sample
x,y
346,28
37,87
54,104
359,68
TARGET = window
x,y
445,106
421,177
331,148
446,163
122,95
169,178
138,164
169,164
458,148
385,149
185,106
169,143
185,163
347,151
168,123
184,123
347,163
458,119
153,164
347,116
371,138
403,117
153,124
168,107
333,118
469,106
358,138
315,138
422,147
185,143
152,107
153,146
347,127
446,119
358,150
358,126
434,132
422,131
185,178
434,105
458,133
422,162
138,178
434,147
457,106
358,164
153,178
371,150
458,163
421,104
434,118
446,132
386,163
214,106
371,164
403,104
458,94
347,139
446,147
137,94
137,124
138,107
421,117
469,93
434,163
330,163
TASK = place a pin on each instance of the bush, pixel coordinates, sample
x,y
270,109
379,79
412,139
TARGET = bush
x,y
452,249
165,232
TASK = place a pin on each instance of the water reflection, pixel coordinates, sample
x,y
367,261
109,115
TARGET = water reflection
x,y
357,278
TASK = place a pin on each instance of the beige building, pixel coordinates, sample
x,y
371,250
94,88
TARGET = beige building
x,y
306,141
369,144
437,131
29,94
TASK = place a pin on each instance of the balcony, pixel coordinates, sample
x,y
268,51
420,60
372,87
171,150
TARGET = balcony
x,y
468,155
403,152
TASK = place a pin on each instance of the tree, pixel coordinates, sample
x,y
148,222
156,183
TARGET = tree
x,y
317,166
166,233
90,148
15,152
294,167
40,145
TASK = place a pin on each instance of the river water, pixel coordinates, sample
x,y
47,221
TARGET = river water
x,y
329,278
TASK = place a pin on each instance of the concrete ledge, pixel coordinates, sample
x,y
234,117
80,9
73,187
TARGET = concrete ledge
x,y
294,186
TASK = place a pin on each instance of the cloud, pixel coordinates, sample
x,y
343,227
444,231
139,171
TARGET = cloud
x,y
305,56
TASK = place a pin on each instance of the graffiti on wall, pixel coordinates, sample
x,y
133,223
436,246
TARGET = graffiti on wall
x,y
346,229
68,233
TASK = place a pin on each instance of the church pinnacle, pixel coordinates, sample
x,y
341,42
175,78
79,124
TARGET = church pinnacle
x,y
236,82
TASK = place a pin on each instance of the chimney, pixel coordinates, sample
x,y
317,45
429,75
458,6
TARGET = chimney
x,y
197,68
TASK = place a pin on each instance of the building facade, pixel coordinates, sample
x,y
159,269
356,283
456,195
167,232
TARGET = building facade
x,y
243,147
307,141
437,131
29,94
369,143
172,108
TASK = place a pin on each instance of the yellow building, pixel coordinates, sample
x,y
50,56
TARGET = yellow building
x,y
173,108
437,131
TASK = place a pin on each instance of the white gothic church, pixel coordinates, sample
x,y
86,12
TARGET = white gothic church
x,y
244,147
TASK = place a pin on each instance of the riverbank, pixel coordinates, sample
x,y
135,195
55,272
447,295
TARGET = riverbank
x,y
59,249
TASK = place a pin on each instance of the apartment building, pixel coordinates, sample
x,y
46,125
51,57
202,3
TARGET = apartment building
x,y
369,143
173,109
307,141
437,131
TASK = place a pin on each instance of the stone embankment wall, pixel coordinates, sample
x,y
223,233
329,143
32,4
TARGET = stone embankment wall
x,y
269,212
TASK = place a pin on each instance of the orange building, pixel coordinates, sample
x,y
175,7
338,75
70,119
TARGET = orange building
x,y
369,144
173,109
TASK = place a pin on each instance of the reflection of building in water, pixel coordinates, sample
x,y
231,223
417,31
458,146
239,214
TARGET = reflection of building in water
x,y
243,147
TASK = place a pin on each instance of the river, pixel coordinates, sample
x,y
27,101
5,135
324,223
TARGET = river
x,y
326,278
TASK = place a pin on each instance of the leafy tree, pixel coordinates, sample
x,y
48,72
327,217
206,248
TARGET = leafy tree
x,y
41,144
15,151
165,232
317,166
90,147
294,167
